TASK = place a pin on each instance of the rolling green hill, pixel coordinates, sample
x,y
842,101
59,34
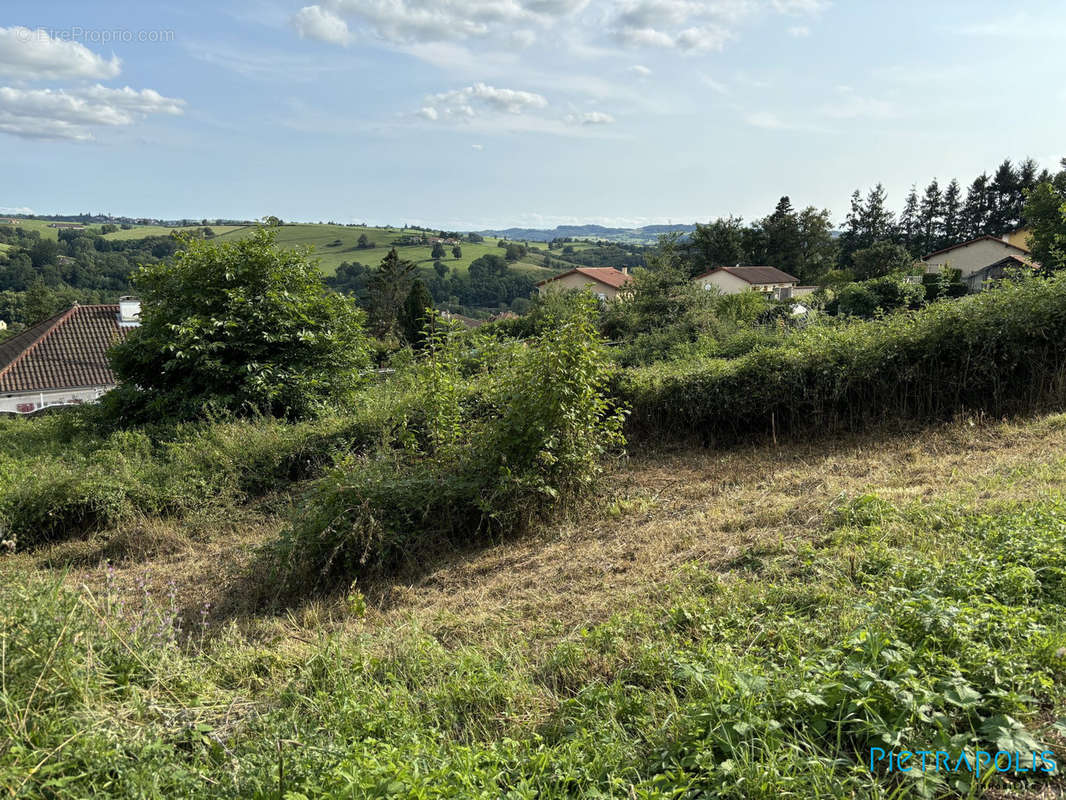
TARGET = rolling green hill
x,y
335,244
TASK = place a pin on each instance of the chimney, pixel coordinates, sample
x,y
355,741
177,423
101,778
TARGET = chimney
x,y
129,311
625,270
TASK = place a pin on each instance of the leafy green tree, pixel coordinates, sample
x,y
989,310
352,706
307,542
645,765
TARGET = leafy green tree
x,y
388,287
438,250
716,244
39,303
44,252
457,251
415,313
241,326
440,268
817,247
1045,212
881,259
515,252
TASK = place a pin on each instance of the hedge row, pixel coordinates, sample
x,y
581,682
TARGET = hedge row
x,y
1001,352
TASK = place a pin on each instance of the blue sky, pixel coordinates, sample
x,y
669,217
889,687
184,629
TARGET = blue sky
x,y
489,113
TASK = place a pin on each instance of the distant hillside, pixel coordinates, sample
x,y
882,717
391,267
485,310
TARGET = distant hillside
x,y
649,234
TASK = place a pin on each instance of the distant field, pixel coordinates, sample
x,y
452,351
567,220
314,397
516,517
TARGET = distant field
x,y
335,244
142,231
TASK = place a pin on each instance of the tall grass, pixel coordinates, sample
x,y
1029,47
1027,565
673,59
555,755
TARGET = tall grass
x,y
1001,352
61,476
906,627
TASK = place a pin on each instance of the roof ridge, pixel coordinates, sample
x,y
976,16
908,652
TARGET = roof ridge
x,y
62,318
974,240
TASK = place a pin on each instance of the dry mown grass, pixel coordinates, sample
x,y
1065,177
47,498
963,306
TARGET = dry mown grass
x,y
660,511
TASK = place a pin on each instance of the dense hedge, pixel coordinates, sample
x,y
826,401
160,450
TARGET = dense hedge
x,y
1000,352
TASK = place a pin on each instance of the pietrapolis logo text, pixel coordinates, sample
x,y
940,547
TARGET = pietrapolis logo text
x,y
977,761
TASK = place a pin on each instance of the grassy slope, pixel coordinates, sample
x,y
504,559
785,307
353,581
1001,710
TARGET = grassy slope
x,y
141,231
323,237
595,649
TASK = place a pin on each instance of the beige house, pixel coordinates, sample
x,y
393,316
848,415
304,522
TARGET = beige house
x,y
605,282
1019,237
979,260
769,280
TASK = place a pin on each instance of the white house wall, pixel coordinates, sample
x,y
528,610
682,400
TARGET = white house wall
x,y
29,402
971,258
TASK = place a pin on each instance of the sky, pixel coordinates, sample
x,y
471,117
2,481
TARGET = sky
x,y
473,114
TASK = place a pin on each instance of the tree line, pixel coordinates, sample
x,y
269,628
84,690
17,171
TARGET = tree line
x,y
873,239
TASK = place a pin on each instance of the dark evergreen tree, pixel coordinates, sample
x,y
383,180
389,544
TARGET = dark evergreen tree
x,y
907,233
952,231
783,245
1007,200
388,287
977,211
416,313
931,217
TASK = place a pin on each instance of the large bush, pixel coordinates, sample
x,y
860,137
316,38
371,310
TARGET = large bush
x,y
241,326
1000,351
528,436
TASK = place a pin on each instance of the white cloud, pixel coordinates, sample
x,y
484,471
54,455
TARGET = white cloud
x,y
639,70
315,22
469,101
799,31
712,84
9,211
72,113
524,38
28,54
850,105
767,120
478,147
800,6
695,25
408,21
590,118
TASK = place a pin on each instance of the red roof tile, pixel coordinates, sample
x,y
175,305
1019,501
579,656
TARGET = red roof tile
x,y
754,275
67,351
607,275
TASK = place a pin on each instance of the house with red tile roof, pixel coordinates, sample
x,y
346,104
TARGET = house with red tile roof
x,y
769,280
606,282
62,360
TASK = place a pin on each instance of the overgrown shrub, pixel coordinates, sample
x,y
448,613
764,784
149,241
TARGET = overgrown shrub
x,y
61,478
529,440
1001,352
241,326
